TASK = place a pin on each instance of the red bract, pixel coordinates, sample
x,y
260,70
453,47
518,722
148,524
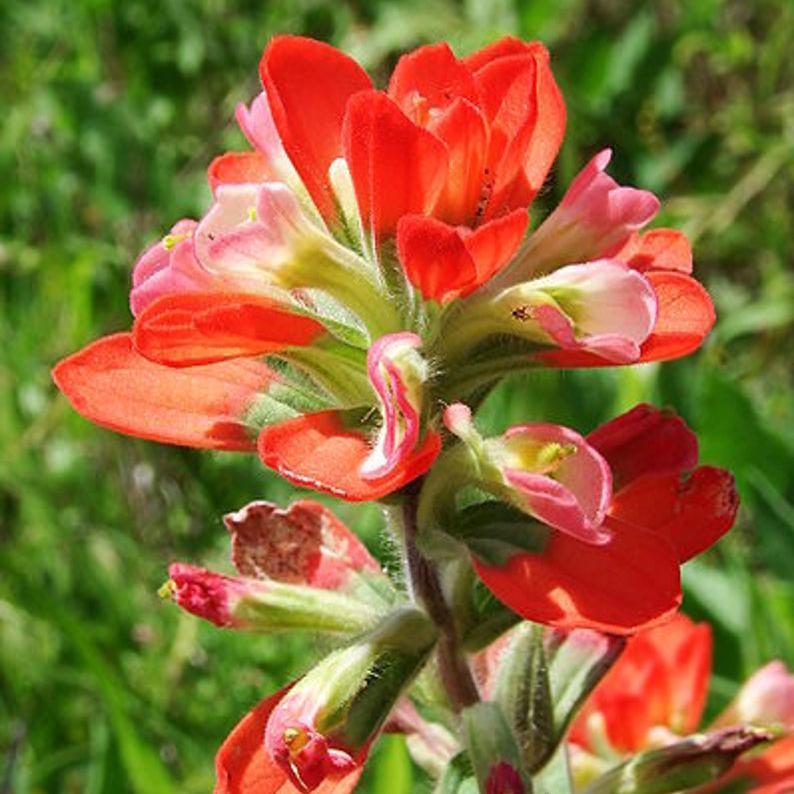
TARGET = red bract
x,y
371,249
659,682
661,514
243,766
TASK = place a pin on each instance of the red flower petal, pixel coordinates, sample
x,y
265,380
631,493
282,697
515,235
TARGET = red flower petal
x,y
303,544
692,511
430,76
308,84
505,47
630,583
526,116
685,317
318,451
397,167
111,384
446,262
237,168
645,440
186,329
661,679
242,765
658,249
464,131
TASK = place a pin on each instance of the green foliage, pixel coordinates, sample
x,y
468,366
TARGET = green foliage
x,y
110,113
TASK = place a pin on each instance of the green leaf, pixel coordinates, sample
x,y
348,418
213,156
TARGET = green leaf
x,y
458,777
391,767
524,693
495,532
492,745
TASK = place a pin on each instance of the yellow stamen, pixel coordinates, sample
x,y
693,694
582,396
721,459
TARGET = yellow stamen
x,y
168,590
172,240
295,739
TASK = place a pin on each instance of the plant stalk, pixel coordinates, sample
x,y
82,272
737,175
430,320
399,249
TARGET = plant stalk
x,y
426,587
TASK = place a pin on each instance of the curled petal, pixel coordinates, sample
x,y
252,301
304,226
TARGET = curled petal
x,y
620,587
397,167
204,327
317,451
445,262
113,385
564,481
397,373
308,84
304,544
693,511
645,440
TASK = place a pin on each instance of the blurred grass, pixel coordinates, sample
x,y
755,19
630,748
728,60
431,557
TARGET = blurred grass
x,y
111,112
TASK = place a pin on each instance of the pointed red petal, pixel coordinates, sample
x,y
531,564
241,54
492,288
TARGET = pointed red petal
x,y
446,262
397,167
431,75
645,440
318,451
630,583
526,115
493,244
434,257
242,765
111,384
693,511
308,84
191,328
237,168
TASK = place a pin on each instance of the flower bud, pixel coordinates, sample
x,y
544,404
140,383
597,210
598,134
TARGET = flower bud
x,y
252,605
596,217
324,725
547,471
766,699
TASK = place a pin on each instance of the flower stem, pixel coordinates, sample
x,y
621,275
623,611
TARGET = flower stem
x,y
426,587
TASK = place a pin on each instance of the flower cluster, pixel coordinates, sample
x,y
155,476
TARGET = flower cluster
x,y
363,277
655,695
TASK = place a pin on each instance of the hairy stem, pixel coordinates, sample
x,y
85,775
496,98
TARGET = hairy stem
x,y
426,587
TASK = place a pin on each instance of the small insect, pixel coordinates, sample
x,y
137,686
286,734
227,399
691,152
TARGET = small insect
x,y
522,313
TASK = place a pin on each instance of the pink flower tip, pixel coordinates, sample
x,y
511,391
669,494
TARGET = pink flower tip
x,y
203,593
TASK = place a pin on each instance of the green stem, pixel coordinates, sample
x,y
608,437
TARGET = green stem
x,y
426,587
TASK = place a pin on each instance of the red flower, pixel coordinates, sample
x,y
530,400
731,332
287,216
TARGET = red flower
x,y
243,766
662,513
328,248
659,682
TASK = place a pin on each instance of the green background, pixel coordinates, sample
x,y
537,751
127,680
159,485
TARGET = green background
x,y
110,112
